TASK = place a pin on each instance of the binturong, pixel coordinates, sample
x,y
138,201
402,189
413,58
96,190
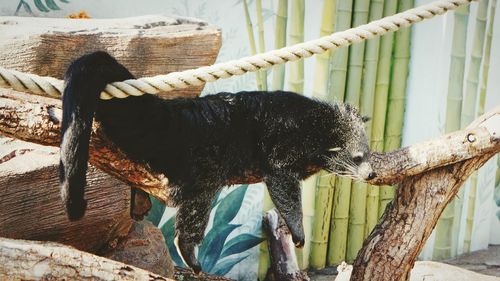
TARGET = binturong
x,y
202,144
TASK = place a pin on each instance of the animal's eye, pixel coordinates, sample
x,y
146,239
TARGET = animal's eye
x,y
357,159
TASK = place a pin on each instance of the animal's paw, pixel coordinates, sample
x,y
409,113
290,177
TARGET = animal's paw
x,y
298,238
186,251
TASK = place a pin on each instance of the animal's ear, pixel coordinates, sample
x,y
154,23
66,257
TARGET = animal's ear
x,y
334,149
365,119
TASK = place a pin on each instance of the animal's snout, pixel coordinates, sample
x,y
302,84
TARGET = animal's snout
x,y
371,175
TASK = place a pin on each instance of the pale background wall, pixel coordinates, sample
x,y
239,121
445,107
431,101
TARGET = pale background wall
x,y
427,86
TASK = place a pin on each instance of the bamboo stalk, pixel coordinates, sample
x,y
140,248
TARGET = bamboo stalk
x,y
482,99
366,108
296,35
386,193
324,186
251,40
337,243
470,106
280,42
262,48
321,72
338,60
308,210
396,97
322,216
357,208
443,243
472,82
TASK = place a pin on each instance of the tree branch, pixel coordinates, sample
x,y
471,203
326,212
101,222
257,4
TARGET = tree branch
x,y
30,260
37,119
390,251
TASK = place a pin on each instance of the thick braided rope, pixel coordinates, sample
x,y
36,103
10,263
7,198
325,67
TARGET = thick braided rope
x,y
178,80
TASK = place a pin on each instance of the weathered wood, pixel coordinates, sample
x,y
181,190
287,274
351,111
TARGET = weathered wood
x,y
284,266
390,251
146,45
33,260
144,247
31,208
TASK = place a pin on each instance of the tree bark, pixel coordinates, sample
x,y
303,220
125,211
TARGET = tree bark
x,y
35,260
390,251
284,264
31,207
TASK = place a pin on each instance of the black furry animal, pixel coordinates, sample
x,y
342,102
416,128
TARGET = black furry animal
x,y
202,144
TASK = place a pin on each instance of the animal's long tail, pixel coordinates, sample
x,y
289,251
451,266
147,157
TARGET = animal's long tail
x,y
85,79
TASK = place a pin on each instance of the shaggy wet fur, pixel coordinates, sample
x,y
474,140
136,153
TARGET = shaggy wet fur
x,y
202,144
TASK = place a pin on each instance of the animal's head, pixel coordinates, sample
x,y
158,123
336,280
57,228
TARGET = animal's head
x,y
350,153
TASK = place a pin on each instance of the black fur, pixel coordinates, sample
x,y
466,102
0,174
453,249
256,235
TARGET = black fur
x,y
202,144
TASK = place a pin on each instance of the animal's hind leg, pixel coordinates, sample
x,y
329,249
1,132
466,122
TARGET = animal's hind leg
x,y
190,223
284,189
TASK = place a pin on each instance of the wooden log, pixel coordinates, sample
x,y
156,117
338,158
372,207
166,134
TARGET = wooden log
x,y
144,247
33,260
31,207
284,266
390,251
146,45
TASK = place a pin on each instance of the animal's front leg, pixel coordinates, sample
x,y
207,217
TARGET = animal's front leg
x,y
190,223
284,189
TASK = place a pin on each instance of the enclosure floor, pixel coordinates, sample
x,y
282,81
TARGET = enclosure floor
x,y
484,262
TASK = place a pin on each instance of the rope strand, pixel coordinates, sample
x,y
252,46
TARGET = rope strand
x,y
194,77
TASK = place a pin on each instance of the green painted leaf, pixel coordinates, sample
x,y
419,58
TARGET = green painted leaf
x,y
168,231
212,245
229,206
156,212
240,243
52,5
216,199
24,5
223,267
64,1
498,215
40,6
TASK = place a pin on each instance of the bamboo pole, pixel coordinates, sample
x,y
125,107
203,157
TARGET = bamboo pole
x,y
296,35
444,227
386,193
322,217
262,48
469,222
468,112
357,208
337,243
338,60
366,108
324,182
280,42
442,246
397,94
251,40
321,72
